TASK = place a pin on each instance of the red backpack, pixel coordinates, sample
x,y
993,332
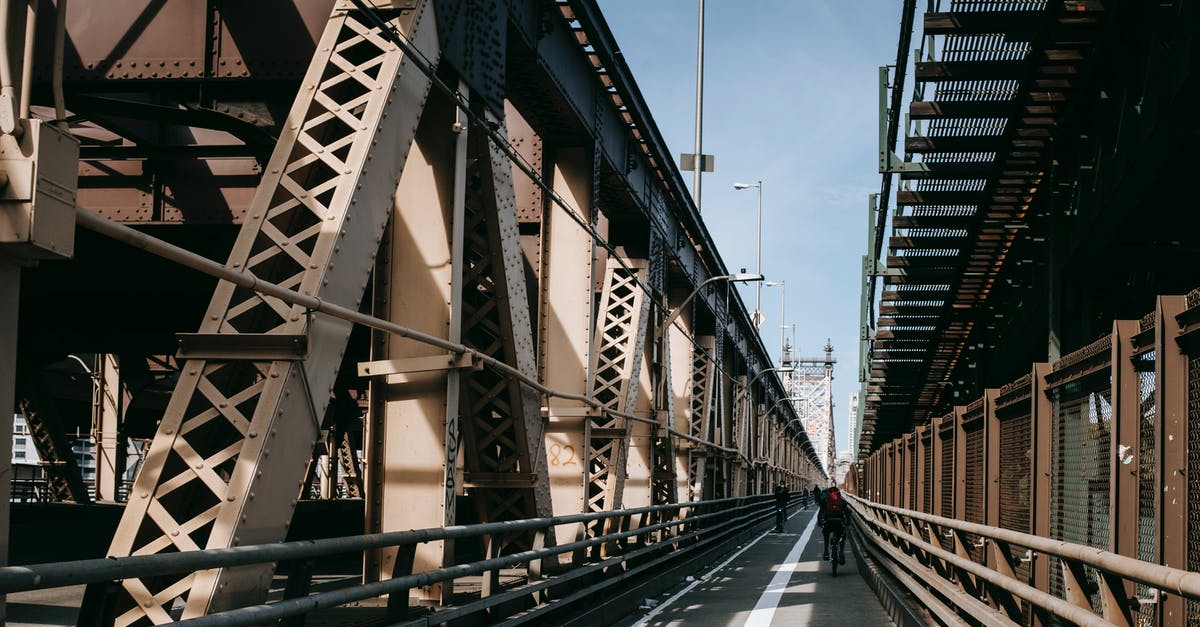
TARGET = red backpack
x,y
833,503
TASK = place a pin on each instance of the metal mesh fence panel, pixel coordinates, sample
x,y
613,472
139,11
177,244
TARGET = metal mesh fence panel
x,y
927,462
1079,495
947,481
1015,463
1193,480
1147,544
1016,466
973,494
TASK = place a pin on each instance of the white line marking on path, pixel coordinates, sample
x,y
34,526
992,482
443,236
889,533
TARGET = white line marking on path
x,y
764,610
675,597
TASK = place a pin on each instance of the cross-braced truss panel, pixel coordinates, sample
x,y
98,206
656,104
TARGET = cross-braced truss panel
x,y
239,429
620,337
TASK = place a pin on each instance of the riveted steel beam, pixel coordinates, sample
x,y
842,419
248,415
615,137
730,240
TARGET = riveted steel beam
x,y
237,434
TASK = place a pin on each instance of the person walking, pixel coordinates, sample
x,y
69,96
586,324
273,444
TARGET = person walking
x,y
781,501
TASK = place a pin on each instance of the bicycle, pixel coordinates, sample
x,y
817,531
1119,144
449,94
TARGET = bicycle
x,y
837,544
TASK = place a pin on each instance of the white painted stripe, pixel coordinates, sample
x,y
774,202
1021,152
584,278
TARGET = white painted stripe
x,y
675,597
764,611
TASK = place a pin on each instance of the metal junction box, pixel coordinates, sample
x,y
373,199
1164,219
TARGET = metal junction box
x,y
40,172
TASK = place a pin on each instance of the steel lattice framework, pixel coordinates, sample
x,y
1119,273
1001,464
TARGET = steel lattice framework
x,y
462,285
240,427
811,382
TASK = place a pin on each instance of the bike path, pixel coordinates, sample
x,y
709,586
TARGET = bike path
x,y
778,579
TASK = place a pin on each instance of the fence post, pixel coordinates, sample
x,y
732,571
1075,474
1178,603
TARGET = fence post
x,y
991,489
1124,462
960,464
906,478
1040,421
935,441
1171,398
922,480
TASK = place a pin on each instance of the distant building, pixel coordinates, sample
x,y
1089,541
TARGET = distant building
x,y
853,434
841,466
27,465
24,451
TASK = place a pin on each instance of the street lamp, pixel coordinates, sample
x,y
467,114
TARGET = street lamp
x,y
782,285
758,252
794,399
732,278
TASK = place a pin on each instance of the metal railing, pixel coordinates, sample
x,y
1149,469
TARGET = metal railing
x,y
953,583
638,542
1097,449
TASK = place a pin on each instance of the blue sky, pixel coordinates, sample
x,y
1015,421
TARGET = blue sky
x,y
790,97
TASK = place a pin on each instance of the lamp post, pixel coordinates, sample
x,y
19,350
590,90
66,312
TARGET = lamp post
x,y
782,285
794,399
732,278
757,251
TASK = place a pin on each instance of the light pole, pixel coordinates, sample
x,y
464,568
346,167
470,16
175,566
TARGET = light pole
x,y
757,251
794,399
732,278
782,285
698,158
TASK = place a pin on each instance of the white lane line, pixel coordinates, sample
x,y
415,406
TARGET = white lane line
x,y
675,597
764,610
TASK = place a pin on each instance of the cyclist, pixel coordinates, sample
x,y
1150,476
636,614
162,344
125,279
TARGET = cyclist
x,y
781,501
832,518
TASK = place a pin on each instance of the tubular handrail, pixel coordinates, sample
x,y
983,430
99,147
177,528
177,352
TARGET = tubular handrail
x,y
1181,582
260,614
58,574
1058,607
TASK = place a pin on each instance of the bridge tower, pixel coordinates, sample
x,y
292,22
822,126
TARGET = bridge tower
x,y
810,385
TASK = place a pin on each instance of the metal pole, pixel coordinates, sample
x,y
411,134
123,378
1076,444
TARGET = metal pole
x,y
782,326
10,298
699,156
758,262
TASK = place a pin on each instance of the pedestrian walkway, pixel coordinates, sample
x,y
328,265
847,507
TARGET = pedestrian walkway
x,y
776,579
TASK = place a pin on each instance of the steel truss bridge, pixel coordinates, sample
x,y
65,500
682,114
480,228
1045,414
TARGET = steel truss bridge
x,y
402,305
443,236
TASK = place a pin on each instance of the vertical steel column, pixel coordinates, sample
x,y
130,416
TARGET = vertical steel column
x,y
565,327
10,299
413,424
237,435
505,467
109,427
677,371
1171,398
1041,421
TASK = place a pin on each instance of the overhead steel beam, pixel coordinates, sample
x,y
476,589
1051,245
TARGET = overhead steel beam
x,y
943,71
